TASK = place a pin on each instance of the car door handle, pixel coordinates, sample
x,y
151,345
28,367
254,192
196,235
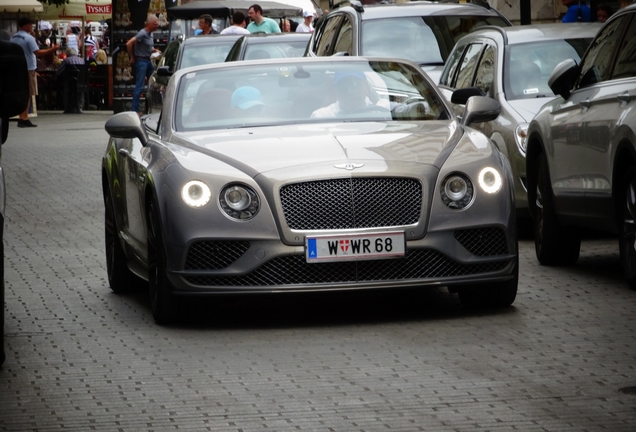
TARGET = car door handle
x,y
624,97
586,103
123,151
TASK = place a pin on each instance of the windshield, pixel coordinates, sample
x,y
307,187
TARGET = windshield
x,y
528,66
423,40
308,93
200,54
275,50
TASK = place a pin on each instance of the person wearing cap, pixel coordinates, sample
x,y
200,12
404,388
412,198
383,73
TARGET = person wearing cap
x,y
247,101
139,48
259,23
306,27
578,11
31,52
238,25
352,94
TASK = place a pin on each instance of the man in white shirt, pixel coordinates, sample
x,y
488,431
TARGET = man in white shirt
x,y
306,27
352,92
238,25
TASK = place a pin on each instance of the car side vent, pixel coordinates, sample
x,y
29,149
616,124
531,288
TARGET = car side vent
x,y
483,241
214,255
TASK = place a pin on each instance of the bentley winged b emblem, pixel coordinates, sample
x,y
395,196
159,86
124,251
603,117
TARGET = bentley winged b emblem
x,y
348,166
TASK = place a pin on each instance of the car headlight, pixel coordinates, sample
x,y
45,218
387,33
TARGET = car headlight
x,y
521,134
457,191
239,201
196,194
490,180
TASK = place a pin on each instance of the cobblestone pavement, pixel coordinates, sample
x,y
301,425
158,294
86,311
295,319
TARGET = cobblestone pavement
x,y
81,358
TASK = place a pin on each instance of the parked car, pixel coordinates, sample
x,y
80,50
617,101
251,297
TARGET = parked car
x,y
14,98
182,53
512,65
423,32
307,175
263,46
581,151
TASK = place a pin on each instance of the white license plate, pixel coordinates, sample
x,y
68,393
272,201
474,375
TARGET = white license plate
x,y
355,247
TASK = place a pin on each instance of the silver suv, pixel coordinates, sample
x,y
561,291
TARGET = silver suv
x,y
512,65
423,32
581,149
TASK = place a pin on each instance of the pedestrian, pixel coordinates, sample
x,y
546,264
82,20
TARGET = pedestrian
x,y
603,12
72,39
285,26
31,53
139,48
64,79
90,45
577,11
306,27
205,24
259,23
14,95
238,24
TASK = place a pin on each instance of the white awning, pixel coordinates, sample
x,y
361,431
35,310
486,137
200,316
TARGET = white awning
x,y
89,10
21,6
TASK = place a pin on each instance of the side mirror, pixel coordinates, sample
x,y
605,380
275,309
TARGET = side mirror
x,y
461,96
164,71
480,109
562,78
126,125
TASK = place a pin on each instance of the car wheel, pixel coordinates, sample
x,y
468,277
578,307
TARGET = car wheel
x,y
162,302
492,295
120,278
627,227
553,243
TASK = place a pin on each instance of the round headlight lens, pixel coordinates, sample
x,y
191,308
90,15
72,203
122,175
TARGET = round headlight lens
x,y
490,180
457,191
237,198
521,135
196,193
239,202
456,188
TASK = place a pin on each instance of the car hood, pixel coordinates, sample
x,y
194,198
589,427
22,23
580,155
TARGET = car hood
x,y
264,149
528,108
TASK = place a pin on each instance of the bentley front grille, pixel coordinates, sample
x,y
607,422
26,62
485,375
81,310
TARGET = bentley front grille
x,y
214,255
483,241
352,203
293,270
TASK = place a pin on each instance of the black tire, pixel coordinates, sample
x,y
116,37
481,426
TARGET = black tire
x,y
120,278
553,244
627,226
163,302
492,295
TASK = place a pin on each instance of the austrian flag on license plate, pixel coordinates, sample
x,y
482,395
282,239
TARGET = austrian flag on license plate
x,y
355,247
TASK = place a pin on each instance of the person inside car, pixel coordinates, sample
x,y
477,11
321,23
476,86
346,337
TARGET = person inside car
x,y
247,101
353,95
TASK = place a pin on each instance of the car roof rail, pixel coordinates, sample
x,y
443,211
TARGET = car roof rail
x,y
482,3
494,28
355,4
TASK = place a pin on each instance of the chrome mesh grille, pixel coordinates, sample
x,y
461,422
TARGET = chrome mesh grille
x,y
483,241
351,203
293,270
214,255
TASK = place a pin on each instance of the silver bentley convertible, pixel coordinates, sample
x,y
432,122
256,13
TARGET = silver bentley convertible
x,y
307,174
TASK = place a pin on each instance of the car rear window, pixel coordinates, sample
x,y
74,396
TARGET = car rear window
x,y
423,40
